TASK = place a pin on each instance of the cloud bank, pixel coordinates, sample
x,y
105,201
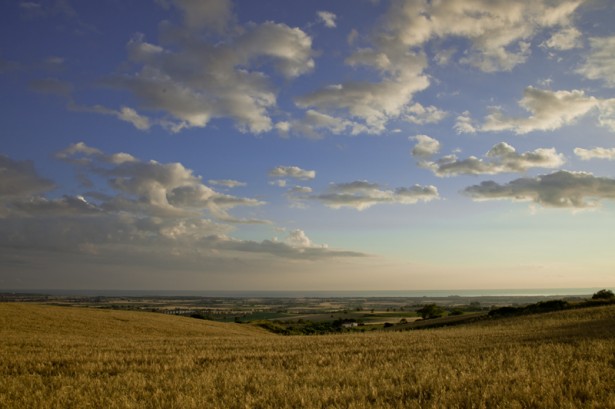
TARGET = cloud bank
x,y
143,209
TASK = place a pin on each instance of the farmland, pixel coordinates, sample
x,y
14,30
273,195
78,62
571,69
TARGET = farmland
x,y
68,357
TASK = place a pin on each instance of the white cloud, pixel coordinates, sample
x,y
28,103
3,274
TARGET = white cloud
x,y
156,189
81,154
501,158
595,153
313,122
464,124
606,116
499,31
362,195
371,104
130,115
420,115
125,114
191,81
327,18
147,211
425,145
565,39
298,239
292,172
559,189
549,110
600,63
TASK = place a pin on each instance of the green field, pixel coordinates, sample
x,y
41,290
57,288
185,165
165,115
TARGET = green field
x,y
68,357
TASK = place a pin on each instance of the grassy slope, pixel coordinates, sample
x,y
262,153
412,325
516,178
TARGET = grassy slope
x,y
35,320
54,357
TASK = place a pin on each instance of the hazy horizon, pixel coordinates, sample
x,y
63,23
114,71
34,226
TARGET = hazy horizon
x,y
281,146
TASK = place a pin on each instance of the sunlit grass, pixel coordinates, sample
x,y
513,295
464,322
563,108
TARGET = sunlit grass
x,y
52,357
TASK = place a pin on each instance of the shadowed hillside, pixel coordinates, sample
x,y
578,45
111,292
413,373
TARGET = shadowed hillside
x,y
48,321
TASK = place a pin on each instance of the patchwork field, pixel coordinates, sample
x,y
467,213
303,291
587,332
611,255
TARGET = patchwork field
x,y
68,357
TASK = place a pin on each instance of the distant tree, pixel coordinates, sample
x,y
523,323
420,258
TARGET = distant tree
x,y
604,295
430,311
456,311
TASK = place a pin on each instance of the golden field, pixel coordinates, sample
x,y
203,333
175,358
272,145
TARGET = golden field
x,y
68,357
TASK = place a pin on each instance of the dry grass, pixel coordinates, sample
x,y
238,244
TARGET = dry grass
x,y
52,357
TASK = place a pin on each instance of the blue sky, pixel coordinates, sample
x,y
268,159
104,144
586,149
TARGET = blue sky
x,y
275,145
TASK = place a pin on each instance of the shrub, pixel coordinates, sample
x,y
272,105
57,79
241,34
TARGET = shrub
x,y
430,311
604,295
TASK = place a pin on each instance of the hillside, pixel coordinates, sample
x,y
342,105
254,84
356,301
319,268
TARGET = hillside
x,y
38,320
52,357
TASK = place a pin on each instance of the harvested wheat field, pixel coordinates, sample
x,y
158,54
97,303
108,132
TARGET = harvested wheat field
x,y
67,357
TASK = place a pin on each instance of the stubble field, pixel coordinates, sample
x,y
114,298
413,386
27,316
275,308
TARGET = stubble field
x,y
63,357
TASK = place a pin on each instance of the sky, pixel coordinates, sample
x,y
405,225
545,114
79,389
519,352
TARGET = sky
x,y
307,144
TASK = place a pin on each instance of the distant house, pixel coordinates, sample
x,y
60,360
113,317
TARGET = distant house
x,y
350,324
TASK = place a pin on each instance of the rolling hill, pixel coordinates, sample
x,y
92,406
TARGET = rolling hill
x,y
63,357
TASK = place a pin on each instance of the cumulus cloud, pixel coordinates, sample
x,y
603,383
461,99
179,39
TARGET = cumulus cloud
x,y
501,158
464,124
425,146
420,115
559,189
146,209
327,18
499,31
565,39
499,34
314,123
294,172
371,104
600,63
362,195
190,80
595,153
151,187
549,110
129,115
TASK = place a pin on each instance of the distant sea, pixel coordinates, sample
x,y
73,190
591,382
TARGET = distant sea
x,y
534,292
